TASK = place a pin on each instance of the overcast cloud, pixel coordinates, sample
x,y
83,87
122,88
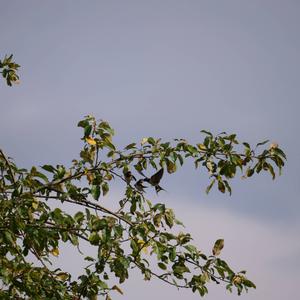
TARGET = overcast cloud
x,y
169,69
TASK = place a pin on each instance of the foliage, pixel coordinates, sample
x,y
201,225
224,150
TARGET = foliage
x,y
9,69
138,234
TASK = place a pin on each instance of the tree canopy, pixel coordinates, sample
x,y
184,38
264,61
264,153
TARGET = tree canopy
x,y
139,233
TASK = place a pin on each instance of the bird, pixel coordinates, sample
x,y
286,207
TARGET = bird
x,y
158,188
128,177
155,179
139,185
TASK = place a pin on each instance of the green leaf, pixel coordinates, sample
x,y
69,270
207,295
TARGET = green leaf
x,y
133,206
180,159
157,219
249,172
172,253
246,145
105,188
228,187
159,206
49,168
134,246
206,132
162,266
151,141
180,269
218,246
79,217
95,191
262,143
41,175
83,123
249,283
169,218
94,238
221,186
280,152
210,185
99,224
87,130
271,170
9,237
130,146
89,258
192,249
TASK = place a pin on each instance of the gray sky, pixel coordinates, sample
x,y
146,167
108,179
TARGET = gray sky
x,y
169,69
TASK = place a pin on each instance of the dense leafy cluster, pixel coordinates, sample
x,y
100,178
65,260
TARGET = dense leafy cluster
x,y
9,69
138,234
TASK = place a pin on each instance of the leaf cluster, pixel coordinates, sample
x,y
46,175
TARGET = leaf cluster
x,y
8,69
134,235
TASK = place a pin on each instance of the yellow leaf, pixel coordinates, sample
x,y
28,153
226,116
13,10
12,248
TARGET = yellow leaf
x,y
90,141
62,276
237,279
171,167
142,243
55,252
144,141
201,147
90,177
115,287
108,177
35,204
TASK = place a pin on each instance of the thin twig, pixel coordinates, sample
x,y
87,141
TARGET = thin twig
x,y
88,204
